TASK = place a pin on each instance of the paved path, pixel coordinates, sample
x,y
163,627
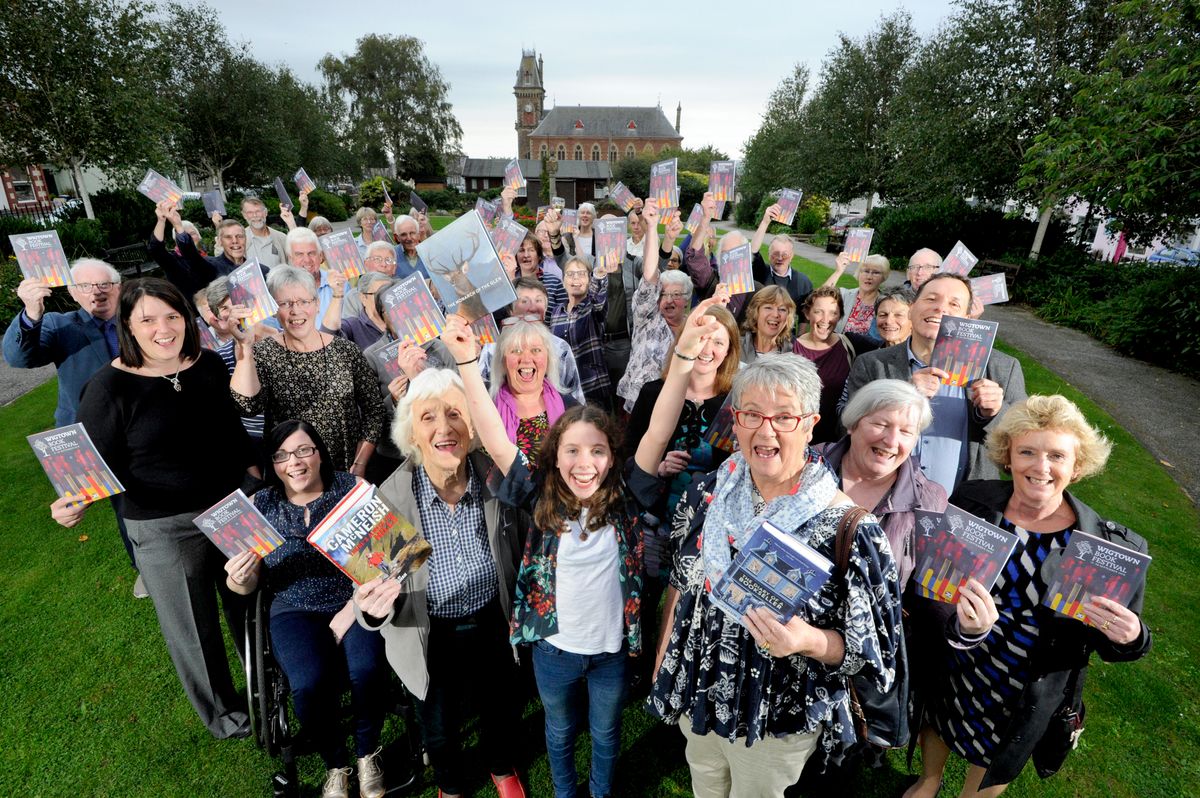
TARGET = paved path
x,y
1158,407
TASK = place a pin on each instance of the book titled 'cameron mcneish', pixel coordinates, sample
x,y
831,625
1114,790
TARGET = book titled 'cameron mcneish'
x,y
963,348
954,546
235,525
773,570
73,464
364,537
1091,566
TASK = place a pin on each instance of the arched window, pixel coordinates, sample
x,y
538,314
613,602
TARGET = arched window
x,y
562,153
648,149
579,152
542,151
612,153
629,151
595,152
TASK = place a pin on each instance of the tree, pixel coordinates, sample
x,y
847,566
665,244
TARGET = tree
x,y
1130,140
83,86
693,160
771,159
395,98
844,150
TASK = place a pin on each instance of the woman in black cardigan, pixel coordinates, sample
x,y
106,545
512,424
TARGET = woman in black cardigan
x,y
1009,697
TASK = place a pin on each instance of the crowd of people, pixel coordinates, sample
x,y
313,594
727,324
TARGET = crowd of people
x,y
579,503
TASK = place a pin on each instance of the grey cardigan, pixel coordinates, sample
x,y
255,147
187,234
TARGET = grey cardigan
x,y
405,630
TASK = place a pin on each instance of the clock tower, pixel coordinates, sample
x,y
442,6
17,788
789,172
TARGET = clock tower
x,y
530,92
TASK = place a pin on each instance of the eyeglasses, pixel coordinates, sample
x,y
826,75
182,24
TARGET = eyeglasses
x,y
921,268
303,304
367,293
674,296
530,317
784,422
574,273
282,456
87,288
379,259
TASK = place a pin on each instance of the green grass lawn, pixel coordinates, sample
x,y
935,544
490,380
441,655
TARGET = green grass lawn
x,y
93,706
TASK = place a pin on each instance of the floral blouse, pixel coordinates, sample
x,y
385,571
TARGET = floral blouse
x,y
534,613
652,339
530,432
715,673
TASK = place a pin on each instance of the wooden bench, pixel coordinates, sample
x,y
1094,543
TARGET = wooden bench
x,y
1010,270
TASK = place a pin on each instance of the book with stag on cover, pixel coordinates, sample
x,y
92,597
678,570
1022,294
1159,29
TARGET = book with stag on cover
x,y
466,269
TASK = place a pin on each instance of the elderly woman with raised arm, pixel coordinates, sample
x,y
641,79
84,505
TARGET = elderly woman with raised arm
x,y
367,326
578,588
859,303
309,375
660,305
770,318
754,697
1017,694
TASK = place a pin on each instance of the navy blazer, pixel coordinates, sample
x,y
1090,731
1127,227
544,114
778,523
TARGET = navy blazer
x,y
72,342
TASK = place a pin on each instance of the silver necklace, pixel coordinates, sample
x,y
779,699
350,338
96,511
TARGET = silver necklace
x,y
173,380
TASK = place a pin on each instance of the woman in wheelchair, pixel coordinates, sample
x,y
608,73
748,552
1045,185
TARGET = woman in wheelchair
x,y
313,632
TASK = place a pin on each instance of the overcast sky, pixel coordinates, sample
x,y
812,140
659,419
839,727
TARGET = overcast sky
x,y
611,56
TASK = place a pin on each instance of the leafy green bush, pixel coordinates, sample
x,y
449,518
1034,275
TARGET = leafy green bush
x,y
193,211
126,216
14,225
83,238
691,190
938,224
327,204
744,213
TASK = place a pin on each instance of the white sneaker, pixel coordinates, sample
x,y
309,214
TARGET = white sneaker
x,y
139,588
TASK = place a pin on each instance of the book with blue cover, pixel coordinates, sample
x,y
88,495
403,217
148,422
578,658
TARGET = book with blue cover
x,y
773,570
954,546
465,268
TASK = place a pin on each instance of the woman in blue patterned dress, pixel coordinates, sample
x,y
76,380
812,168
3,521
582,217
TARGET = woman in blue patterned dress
x,y
754,697
1007,699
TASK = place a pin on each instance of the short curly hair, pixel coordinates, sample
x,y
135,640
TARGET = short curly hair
x,y
1058,413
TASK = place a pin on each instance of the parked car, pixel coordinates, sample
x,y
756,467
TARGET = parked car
x,y
1175,256
837,231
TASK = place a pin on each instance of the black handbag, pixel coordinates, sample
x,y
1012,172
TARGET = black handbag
x,y
1062,733
881,719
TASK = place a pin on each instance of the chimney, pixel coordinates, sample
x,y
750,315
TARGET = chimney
x,y
541,73
678,113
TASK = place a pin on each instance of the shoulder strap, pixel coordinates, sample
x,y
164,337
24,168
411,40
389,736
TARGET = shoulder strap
x,y
845,536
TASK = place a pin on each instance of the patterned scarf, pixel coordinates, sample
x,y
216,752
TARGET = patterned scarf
x,y
731,519
506,403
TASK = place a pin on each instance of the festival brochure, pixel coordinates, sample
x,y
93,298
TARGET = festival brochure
x,y
485,329
963,348
541,212
387,198
664,183
789,202
990,289
304,183
610,242
720,432
41,256
412,310
159,188
388,359
235,525
379,232
858,243
508,234
512,175
487,210
570,220
248,287
74,465
735,269
623,197
414,200
465,268
342,254
365,538
213,202
695,219
960,261
668,217
284,200
954,546
1091,566
558,203
208,338
722,181
773,570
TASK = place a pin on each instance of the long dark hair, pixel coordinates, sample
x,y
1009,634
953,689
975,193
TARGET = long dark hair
x,y
273,442
133,292
558,504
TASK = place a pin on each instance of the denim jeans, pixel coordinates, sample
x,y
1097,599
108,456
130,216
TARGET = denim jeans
x,y
314,664
562,678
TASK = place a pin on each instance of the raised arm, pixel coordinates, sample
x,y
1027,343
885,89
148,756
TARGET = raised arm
x,y
650,245
332,322
485,418
843,260
244,381
696,331
769,215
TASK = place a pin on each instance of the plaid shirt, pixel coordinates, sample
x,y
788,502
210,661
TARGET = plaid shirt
x,y
462,572
583,328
